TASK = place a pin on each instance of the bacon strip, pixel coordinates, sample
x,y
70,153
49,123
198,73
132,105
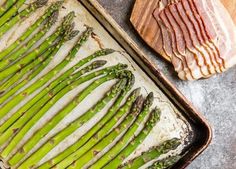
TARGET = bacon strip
x,y
198,35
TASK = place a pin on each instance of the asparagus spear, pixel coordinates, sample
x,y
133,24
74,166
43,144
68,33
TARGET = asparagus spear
x,y
44,109
82,145
4,64
16,78
38,70
112,115
39,109
109,120
56,119
6,5
19,97
43,97
23,14
97,143
53,8
60,136
21,74
11,12
152,154
132,145
165,163
26,69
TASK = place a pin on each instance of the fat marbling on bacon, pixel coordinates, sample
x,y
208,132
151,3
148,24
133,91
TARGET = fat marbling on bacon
x,y
199,37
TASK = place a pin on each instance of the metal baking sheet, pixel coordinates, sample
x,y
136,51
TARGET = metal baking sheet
x,y
179,119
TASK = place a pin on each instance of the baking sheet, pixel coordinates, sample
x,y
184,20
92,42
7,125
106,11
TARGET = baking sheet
x,y
172,123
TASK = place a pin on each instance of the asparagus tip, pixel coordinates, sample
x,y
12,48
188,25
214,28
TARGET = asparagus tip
x,y
109,51
99,63
83,38
155,116
68,19
53,18
131,81
73,34
149,100
171,144
137,91
122,66
40,3
57,4
126,74
123,83
139,101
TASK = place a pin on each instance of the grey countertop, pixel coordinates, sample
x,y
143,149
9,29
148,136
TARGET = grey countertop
x,y
214,97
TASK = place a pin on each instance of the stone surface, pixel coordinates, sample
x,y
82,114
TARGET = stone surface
x,y
214,97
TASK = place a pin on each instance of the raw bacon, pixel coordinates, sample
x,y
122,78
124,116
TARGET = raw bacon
x,y
198,36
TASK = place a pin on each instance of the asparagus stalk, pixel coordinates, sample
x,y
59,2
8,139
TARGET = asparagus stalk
x,y
15,79
6,5
110,119
43,97
11,12
28,68
53,8
56,119
23,14
125,140
96,144
27,120
44,109
7,132
4,64
60,136
19,97
26,71
38,70
152,154
165,163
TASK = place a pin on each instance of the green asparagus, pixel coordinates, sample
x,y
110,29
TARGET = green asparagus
x,y
43,97
11,12
60,136
54,121
39,109
29,117
44,109
165,163
6,64
53,8
97,143
38,70
19,97
110,119
26,69
16,78
114,151
6,5
23,14
152,154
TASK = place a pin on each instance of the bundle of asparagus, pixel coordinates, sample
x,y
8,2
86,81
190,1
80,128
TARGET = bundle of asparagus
x,y
113,115
53,8
7,22
7,13
117,131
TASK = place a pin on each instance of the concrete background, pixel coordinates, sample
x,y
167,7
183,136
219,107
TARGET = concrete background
x,y
214,97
